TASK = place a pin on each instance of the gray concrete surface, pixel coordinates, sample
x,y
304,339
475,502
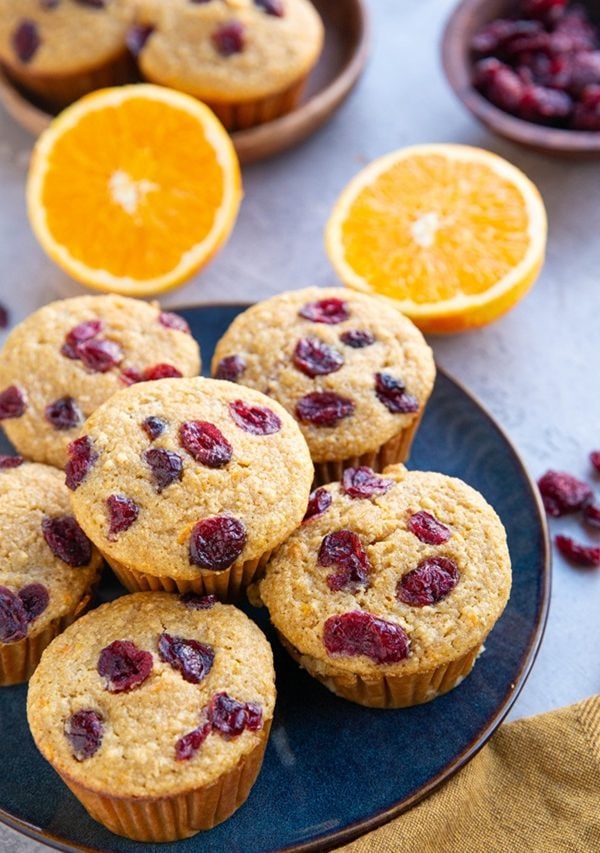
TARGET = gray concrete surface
x,y
536,370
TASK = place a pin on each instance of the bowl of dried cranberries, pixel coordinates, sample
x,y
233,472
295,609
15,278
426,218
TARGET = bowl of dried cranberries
x,y
529,70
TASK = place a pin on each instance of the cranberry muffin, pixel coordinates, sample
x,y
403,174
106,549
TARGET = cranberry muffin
x,y
188,484
63,361
58,50
247,59
354,373
155,711
390,587
48,566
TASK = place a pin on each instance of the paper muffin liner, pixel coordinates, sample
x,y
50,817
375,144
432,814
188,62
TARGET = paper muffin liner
x,y
227,585
172,818
389,691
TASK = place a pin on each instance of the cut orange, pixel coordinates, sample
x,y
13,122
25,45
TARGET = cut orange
x,y
453,235
133,189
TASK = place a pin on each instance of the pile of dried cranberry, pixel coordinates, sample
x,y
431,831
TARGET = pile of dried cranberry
x,y
542,64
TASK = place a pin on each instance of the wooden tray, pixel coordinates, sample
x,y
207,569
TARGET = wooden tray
x,y
340,66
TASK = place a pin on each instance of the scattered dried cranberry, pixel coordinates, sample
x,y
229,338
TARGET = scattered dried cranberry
x,y
584,555
323,408
432,580
193,601
318,503
562,493
231,368
205,443
591,515
257,420
82,457
329,311
84,730
131,376
188,745
137,36
66,540
35,599
498,35
343,550
13,618
541,104
4,318
357,338
316,358
166,466
84,332
154,427
271,7
595,459
64,414
364,483
26,40
122,512
217,542
10,461
99,355
173,321
229,38
191,658
161,371
428,529
13,403
360,633
124,666
230,717
392,393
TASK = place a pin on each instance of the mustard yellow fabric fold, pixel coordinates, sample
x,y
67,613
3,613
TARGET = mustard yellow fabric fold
x,y
534,788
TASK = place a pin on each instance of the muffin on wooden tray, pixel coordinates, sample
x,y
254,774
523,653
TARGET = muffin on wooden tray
x,y
354,372
247,59
48,566
63,361
156,711
390,587
189,484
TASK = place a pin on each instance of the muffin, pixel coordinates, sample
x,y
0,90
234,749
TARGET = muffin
x,y
48,566
390,587
58,50
188,484
247,59
155,711
354,372
63,361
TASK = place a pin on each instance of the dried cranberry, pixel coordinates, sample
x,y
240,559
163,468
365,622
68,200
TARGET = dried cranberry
x,y
64,414
84,332
229,38
495,36
217,542
318,503
562,493
99,355
547,10
541,104
136,38
432,580
586,115
82,457
428,529
257,420
591,515
499,83
173,321
584,555
193,601
13,617
364,483
393,394
343,550
10,461
161,371
357,338
4,318
191,658
154,427
205,443
323,408
35,600
66,540
360,633
13,403
122,512
595,459
230,717
330,311
131,376
188,745
26,40
271,7
124,666
166,466
84,730
316,358
231,368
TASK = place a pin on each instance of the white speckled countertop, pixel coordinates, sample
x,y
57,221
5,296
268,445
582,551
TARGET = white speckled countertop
x,y
536,370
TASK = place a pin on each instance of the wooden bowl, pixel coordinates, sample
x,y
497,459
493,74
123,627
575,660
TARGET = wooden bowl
x,y
468,17
341,64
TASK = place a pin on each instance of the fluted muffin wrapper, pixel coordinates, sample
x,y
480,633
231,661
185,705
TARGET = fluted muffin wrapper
x,y
172,818
389,691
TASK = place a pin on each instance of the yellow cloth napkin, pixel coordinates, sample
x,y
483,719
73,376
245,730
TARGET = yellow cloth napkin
x,y
534,788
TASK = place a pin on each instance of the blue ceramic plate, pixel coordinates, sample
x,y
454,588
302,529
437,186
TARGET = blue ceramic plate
x,y
334,770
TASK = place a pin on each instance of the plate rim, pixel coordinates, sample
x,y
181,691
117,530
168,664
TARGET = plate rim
x,y
361,827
